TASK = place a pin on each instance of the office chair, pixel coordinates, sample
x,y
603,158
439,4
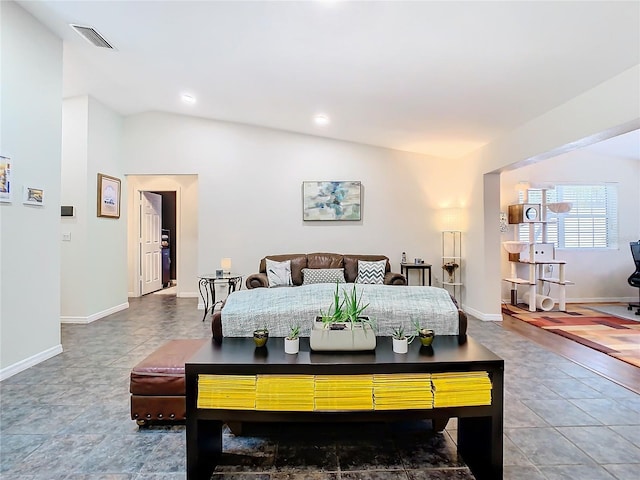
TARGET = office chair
x,y
634,279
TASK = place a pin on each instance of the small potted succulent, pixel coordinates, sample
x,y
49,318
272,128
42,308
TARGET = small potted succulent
x,y
400,340
424,334
260,336
292,341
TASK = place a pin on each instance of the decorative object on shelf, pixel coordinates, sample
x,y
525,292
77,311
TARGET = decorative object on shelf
x,y
260,336
219,273
331,200
225,264
292,340
450,267
400,340
108,196
424,334
426,337
404,257
342,326
33,196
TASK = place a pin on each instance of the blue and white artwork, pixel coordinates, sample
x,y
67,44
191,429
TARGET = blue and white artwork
x,y
331,200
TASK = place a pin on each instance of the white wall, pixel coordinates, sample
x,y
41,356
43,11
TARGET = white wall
x,y
94,278
186,237
250,190
599,274
31,135
611,108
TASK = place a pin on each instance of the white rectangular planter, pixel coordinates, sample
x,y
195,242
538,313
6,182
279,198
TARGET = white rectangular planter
x,y
361,337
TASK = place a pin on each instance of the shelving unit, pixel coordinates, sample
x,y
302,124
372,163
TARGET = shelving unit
x,y
452,253
536,266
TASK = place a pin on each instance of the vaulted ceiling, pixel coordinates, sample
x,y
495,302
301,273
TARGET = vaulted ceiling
x,y
438,78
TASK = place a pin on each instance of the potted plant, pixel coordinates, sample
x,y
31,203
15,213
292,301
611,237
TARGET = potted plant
x,y
400,340
260,336
292,341
424,334
342,326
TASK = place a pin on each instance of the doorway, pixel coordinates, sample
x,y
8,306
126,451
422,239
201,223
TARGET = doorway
x,y
179,195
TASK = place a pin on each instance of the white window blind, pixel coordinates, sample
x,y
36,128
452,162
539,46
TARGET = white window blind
x,y
592,221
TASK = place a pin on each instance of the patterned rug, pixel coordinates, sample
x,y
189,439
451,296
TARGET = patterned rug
x,y
617,337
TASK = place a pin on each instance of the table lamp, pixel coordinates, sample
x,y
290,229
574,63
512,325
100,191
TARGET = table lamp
x,y
225,263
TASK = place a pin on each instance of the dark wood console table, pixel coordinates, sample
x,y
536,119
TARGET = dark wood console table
x,y
405,269
479,427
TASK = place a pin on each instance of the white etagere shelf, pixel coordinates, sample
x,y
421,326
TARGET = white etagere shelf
x,y
452,253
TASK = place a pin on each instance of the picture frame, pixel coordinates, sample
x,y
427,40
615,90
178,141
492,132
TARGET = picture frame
x,y
5,179
33,196
108,196
332,201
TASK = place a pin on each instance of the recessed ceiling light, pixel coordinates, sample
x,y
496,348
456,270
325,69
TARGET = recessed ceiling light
x,y
190,99
321,119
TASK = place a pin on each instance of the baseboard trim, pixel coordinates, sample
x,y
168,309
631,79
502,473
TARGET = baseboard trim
x,y
188,295
485,317
22,365
590,300
95,316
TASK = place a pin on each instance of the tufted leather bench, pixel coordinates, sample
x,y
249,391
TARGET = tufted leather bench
x,y
157,383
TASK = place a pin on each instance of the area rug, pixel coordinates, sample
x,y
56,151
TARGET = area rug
x,y
620,311
617,337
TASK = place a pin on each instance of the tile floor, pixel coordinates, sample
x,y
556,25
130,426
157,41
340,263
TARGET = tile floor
x,y
68,418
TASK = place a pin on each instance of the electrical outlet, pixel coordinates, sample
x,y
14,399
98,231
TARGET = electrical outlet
x,y
66,237
549,268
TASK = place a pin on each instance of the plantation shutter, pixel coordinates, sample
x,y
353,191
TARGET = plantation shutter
x,y
592,221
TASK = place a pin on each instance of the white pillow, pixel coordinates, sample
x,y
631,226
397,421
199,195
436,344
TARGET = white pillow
x,y
322,275
371,272
279,273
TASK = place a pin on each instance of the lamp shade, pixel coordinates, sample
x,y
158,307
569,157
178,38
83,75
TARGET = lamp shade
x,y
225,263
451,219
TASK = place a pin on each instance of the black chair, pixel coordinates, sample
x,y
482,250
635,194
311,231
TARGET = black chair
x,y
634,279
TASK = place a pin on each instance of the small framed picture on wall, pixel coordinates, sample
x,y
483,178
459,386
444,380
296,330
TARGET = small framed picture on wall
x,y
33,196
108,196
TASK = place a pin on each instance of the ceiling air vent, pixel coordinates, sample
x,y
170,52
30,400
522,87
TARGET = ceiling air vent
x,y
92,36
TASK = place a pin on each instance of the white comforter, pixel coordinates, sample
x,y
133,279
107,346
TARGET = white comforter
x,y
389,305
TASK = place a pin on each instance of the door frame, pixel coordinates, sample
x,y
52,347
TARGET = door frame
x,y
134,233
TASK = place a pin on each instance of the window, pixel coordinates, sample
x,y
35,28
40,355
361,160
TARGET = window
x,y
592,221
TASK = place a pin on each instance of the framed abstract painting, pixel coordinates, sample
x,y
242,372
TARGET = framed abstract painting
x,y
331,201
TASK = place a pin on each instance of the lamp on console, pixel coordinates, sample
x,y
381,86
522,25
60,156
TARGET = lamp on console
x,y
225,263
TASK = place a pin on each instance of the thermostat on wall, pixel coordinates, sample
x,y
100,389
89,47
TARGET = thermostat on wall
x,y
67,211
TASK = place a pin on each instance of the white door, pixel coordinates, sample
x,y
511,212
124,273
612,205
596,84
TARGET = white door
x,y
150,246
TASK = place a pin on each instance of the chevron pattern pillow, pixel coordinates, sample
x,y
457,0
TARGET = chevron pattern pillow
x,y
371,272
322,275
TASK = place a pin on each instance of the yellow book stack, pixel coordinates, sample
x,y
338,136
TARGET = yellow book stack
x,y
461,389
402,391
285,392
230,392
344,392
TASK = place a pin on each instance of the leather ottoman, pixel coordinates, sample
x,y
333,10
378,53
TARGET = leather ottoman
x,y
157,383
